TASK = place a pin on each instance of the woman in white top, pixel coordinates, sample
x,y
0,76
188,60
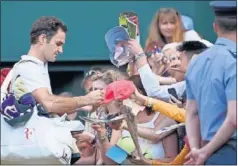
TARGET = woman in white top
x,y
161,148
157,149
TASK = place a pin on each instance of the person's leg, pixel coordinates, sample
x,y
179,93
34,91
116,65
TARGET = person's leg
x,y
226,155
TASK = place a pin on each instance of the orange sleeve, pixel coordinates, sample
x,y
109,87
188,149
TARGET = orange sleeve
x,y
179,160
169,110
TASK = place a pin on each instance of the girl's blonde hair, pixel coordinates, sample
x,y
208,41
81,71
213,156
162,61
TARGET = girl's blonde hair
x,y
170,46
109,76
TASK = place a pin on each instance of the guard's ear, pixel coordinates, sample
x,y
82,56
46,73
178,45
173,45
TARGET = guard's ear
x,y
215,27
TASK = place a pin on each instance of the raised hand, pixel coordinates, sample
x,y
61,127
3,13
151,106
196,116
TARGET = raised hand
x,y
135,47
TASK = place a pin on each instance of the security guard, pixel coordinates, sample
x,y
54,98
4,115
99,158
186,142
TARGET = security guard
x,y
211,94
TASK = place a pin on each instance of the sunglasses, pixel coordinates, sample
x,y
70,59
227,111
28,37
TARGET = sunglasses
x,y
169,59
173,57
90,73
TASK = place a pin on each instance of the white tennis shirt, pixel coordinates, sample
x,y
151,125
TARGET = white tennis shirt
x,y
33,72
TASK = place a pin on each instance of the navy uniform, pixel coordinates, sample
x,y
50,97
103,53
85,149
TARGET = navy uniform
x,y
211,81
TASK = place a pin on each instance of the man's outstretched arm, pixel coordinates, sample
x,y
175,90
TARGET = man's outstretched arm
x,y
61,105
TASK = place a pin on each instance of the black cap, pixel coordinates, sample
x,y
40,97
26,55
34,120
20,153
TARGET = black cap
x,y
224,8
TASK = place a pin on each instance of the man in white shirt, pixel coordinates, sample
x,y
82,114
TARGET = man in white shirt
x,y
47,38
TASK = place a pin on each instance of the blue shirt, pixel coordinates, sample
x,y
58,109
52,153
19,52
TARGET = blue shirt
x,y
211,81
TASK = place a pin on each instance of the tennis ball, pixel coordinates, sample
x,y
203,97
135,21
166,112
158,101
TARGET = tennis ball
x,y
127,144
147,153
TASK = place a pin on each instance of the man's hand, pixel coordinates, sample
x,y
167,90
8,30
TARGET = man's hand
x,y
196,156
99,128
138,98
95,97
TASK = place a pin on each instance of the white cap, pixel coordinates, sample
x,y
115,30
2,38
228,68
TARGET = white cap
x,y
170,46
193,36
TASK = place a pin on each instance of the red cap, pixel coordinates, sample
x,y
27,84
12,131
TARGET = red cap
x,y
4,73
2,79
118,90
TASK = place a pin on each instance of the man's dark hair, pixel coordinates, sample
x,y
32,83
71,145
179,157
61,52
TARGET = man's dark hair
x,y
226,24
47,25
191,48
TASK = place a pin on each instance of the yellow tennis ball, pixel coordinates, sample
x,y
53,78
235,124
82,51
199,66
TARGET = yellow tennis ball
x,y
147,153
127,144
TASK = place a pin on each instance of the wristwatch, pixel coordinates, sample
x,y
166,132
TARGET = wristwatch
x,y
102,138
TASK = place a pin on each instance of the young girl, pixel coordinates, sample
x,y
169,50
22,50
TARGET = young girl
x,y
148,122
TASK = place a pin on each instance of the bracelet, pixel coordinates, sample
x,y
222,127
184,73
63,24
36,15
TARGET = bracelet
x,y
138,56
103,138
148,102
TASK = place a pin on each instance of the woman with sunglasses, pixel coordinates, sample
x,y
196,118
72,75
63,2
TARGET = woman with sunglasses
x,y
160,64
149,79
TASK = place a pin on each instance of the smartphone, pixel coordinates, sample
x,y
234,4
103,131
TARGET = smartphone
x,y
184,97
74,158
173,92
